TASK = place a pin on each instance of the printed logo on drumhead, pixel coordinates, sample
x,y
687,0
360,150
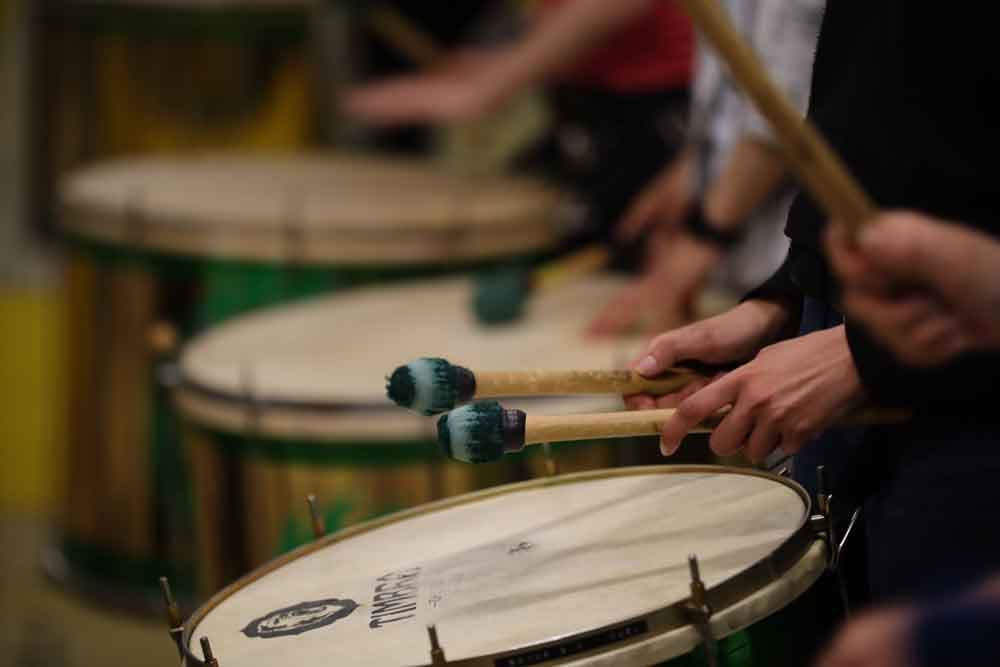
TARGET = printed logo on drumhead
x,y
299,618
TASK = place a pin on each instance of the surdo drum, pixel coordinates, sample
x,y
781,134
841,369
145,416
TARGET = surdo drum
x,y
161,248
290,401
583,569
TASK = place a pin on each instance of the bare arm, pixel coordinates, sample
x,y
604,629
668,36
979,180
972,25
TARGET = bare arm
x,y
752,174
561,37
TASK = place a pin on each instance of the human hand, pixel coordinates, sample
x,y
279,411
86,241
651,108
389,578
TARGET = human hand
x,y
469,85
733,336
663,297
664,200
786,396
877,639
927,289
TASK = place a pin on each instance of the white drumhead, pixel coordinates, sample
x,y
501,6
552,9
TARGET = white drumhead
x,y
339,209
512,570
339,349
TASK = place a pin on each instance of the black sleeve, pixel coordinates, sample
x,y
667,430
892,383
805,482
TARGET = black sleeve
x,y
781,288
958,386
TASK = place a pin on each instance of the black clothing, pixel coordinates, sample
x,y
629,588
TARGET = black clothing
x,y
904,91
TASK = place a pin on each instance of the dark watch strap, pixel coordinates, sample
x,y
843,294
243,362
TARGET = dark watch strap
x,y
696,225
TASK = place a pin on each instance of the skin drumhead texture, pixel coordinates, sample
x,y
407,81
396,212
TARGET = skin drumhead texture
x,y
507,571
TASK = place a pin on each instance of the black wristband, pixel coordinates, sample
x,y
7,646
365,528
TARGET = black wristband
x,y
699,228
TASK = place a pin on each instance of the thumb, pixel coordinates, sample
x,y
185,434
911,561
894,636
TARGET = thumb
x,y
666,349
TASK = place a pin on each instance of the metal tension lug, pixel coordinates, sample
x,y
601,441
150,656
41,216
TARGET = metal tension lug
x,y
699,611
175,622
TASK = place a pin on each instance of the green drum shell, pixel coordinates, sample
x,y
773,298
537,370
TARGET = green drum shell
x,y
129,514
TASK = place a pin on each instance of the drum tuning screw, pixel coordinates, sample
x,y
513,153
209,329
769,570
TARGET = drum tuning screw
x,y
174,620
437,653
551,467
700,611
318,525
206,652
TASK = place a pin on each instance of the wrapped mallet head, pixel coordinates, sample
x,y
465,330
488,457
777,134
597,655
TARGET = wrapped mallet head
x,y
481,432
430,385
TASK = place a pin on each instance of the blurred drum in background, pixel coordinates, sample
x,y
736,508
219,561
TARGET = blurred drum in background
x,y
587,569
292,400
160,248
129,76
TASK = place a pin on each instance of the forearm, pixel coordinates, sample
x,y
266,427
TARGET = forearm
x,y
754,171
558,39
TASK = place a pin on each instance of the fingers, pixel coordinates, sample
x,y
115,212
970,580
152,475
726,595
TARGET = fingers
x,y
933,341
676,398
854,270
619,314
765,439
687,343
640,215
696,409
732,432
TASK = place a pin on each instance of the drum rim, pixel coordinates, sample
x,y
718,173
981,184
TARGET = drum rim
x,y
661,621
292,242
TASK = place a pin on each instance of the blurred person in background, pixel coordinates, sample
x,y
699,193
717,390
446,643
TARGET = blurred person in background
x,y
617,75
718,210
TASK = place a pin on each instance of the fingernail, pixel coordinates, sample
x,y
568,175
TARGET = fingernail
x,y
667,449
647,365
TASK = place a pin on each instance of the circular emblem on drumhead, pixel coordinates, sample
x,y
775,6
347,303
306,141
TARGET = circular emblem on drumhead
x,y
299,618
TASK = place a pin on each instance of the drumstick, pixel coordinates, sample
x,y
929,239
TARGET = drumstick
x,y
405,37
484,432
501,294
810,156
431,385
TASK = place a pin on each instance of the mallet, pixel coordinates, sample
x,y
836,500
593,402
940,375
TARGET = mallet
x,y
431,385
484,432
500,294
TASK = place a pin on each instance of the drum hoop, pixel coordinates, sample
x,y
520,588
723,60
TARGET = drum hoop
x,y
719,597
288,245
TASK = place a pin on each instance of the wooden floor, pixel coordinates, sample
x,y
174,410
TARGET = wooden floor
x,y
45,627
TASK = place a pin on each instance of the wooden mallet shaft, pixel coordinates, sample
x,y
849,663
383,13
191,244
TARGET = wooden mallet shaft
x,y
540,429
497,384
810,156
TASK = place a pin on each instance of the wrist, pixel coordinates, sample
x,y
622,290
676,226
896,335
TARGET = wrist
x,y
770,319
700,225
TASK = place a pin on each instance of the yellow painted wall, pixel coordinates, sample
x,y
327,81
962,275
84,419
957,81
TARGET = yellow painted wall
x,y
32,390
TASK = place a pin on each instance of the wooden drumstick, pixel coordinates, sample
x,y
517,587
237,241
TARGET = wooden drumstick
x,y
484,432
810,156
431,385
405,37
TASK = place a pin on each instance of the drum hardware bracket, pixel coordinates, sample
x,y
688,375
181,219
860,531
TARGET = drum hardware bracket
x,y
292,229
250,399
699,612
437,653
175,621
135,222
824,524
551,465
206,652
315,518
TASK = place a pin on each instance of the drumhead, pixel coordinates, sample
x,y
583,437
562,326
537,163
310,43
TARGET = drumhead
x,y
559,569
317,369
312,209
